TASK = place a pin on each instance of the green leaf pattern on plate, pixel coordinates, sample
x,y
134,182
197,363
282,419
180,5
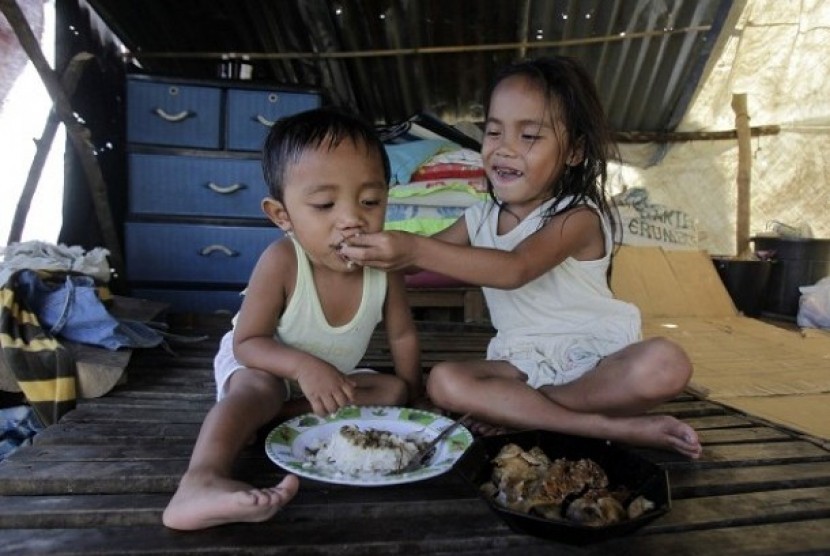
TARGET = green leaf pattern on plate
x,y
458,441
417,416
346,412
284,435
309,421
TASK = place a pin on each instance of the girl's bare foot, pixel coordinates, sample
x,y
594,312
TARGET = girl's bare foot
x,y
664,432
206,501
482,428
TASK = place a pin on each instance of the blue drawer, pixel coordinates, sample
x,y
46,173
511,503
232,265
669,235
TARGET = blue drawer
x,y
172,114
194,253
252,113
195,186
205,302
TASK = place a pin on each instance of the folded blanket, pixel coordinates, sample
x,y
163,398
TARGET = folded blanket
x,y
44,369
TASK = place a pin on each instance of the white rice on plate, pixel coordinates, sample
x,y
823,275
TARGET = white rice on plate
x,y
353,451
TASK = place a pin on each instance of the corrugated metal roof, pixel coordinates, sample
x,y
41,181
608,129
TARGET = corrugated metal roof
x,y
390,59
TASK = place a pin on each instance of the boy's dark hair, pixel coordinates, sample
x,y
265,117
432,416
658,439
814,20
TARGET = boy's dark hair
x,y
567,85
293,135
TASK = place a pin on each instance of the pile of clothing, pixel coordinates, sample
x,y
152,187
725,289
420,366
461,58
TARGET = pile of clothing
x,y
50,293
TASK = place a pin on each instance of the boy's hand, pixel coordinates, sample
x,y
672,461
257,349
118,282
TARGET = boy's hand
x,y
326,388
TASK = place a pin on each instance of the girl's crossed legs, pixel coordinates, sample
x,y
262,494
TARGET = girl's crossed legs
x,y
607,402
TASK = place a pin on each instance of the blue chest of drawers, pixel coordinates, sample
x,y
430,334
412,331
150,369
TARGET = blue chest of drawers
x,y
195,228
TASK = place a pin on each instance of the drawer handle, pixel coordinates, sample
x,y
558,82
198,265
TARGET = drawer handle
x,y
265,121
183,115
210,249
233,188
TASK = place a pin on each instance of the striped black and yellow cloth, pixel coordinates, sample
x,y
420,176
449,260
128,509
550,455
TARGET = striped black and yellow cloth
x,y
44,369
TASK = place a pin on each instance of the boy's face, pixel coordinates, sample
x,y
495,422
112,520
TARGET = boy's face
x,y
331,194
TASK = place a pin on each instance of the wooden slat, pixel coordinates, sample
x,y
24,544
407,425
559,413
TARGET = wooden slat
x,y
743,434
103,433
792,537
692,482
745,509
727,421
183,414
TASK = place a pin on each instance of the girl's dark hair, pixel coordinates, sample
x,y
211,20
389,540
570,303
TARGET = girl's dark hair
x,y
573,96
291,136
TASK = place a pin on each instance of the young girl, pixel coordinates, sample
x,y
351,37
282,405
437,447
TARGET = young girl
x,y
567,355
307,316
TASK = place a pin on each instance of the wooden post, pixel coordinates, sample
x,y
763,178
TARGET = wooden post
x,y
744,174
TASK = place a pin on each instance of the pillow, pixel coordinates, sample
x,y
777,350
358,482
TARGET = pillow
x,y
405,158
446,170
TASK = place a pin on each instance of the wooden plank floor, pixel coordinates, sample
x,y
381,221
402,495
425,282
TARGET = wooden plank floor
x,y
96,483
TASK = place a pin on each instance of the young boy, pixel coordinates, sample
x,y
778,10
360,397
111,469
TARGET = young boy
x,y
307,316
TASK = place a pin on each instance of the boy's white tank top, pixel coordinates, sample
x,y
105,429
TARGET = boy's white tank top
x,y
304,326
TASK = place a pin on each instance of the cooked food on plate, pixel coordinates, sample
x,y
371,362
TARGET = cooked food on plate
x,y
351,450
562,489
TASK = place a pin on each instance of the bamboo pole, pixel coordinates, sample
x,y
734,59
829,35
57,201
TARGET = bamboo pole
x,y
684,136
744,177
520,46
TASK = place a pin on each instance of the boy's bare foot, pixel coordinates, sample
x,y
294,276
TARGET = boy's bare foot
x,y
207,501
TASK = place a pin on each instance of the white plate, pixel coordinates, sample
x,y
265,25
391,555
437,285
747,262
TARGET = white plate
x,y
287,444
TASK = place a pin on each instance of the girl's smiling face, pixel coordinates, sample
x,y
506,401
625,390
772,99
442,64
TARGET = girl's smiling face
x,y
330,194
525,148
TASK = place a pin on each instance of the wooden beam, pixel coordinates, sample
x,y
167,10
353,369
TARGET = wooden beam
x,y
683,136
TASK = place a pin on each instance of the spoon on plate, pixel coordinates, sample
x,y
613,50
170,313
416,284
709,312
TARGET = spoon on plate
x,y
417,460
